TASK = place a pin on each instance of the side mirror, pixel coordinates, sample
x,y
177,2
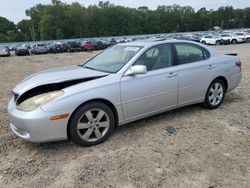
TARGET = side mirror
x,y
137,69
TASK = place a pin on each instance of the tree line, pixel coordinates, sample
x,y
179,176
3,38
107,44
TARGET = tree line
x,y
60,20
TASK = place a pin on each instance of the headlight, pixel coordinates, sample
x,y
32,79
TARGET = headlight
x,y
35,102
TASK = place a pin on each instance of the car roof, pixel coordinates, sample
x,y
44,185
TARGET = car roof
x,y
148,44
152,42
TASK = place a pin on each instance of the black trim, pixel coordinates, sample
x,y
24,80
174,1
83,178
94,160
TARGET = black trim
x,y
174,55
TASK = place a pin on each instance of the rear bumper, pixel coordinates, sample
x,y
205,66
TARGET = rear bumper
x,y
36,126
4,53
234,81
22,52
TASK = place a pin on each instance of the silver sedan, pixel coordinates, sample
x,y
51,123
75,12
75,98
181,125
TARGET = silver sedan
x,y
125,83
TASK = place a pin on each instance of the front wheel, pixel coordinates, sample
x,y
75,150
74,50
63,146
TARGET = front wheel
x,y
91,124
215,94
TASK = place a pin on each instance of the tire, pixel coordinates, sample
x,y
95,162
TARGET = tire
x,y
87,129
217,43
214,97
248,40
234,41
203,42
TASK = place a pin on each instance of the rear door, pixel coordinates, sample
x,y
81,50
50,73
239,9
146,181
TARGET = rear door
x,y
194,72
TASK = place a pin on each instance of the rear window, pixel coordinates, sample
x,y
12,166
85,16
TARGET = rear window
x,y
189,53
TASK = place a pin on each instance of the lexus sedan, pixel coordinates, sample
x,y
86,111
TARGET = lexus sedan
x,y
124,83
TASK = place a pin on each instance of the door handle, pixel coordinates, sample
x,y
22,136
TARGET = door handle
x,y
171,75
211,67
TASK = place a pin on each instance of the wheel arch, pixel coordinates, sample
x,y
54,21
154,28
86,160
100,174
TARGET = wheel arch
x,y
223,79
108,103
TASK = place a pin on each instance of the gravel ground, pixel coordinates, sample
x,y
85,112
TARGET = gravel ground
x,y
209,148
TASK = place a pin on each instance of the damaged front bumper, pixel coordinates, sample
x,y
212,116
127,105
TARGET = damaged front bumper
x,y
36,126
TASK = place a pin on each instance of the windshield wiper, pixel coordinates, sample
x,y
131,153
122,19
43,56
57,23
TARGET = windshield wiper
x,y
86,67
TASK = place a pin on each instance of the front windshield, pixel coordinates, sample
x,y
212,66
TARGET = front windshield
x,y
113,59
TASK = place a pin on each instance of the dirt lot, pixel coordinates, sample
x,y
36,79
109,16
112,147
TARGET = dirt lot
x,y
209,148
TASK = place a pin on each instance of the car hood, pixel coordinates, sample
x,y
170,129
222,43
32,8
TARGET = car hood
x,y
57,75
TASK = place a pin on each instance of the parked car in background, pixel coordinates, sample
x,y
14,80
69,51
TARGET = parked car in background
x,y
243,36
233,39
12,47
22,51
74,46
4,51
106,43
125,83
55,47
65,47
211,39
87,46
247,31
39,49
98,45
194,38
186,37
112,42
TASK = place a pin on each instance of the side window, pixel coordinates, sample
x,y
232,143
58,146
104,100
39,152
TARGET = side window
x,y
188,53
206,54
157,57
153,52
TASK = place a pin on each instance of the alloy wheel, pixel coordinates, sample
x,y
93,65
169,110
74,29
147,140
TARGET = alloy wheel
x,y
215,94
93,125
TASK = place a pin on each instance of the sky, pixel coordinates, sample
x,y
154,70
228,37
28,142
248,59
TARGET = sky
x,y
14,10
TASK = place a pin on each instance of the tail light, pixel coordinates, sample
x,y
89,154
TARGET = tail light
x,y
238,64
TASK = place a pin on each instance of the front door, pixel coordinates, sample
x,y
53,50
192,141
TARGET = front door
x,y
154,91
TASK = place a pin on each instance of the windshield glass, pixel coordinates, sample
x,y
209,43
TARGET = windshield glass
x,y
113,59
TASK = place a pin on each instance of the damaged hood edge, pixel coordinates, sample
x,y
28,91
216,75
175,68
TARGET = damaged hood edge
x,y
57,76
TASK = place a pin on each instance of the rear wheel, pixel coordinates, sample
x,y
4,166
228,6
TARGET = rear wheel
x,y
217,43
215,94
91,124
203,42
234,41
248,40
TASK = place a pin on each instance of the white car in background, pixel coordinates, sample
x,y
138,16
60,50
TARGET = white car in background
x,y
232,38
244,36
211,39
